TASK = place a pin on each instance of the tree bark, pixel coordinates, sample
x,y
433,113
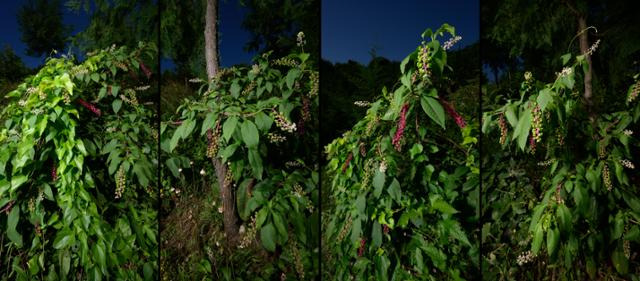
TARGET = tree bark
x,y
211,38
584,48
226,193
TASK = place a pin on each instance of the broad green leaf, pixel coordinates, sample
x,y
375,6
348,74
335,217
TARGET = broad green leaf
x,y
521,132
12,223
229,127
553,238
292,75
443,207
250,134
361,203
378,183
209,122
394,190
433,109
17,181
620,261
255,161
116,105
268,237
376,234
537,239
544,97
63,239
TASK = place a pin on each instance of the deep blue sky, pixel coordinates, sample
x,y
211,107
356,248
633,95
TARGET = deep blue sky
x,y
10,33
232,36
351,28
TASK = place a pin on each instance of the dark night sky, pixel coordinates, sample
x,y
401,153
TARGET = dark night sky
x,y
10,33
351,28
232,36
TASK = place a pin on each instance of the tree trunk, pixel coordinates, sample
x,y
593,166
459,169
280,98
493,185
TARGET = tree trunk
x,y
211,38
584,48
226,193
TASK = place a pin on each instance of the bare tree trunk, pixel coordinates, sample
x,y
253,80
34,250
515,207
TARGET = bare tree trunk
x,y
211,38
226,193
584,48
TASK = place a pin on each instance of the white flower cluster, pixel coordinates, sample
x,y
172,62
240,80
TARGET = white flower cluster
x,y
300,40
284,124
565,72
362,103
546,163
627,132
143,88
627,164
593,48
255,69
383,166
276,138
452,41
195,80
22,103
293,164
525,258
528,76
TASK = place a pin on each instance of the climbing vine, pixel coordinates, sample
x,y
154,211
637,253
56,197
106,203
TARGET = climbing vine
x,y
77,180
400,179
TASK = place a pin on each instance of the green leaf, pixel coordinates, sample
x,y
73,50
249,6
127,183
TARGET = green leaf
x,y
235,89
293,74
394,191
376,234
12,223
522,129
457,233
229,127
242,199
620,261
404,62
565,58
208,123
100,255
544,97
361,204
378,183
249,134
95,77
433,109
537,239
279,223
63,239
268,237
511,116
116,105
443,207
553,238
17,181
255,161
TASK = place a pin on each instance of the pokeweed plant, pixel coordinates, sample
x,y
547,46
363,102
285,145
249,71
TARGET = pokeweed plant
x,y
260,122
76,171
585,222
401,181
